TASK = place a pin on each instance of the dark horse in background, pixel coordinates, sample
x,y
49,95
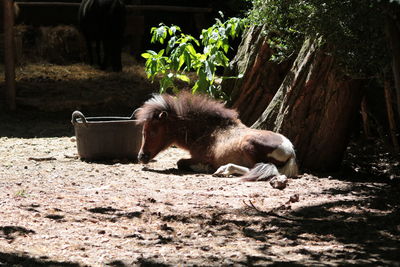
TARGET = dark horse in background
x,y
215,137
103,22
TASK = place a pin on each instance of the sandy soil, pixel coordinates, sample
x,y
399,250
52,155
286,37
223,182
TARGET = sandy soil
x,y
56,210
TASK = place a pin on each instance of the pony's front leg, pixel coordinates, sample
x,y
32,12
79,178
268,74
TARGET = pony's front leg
x,y
194,165
230,169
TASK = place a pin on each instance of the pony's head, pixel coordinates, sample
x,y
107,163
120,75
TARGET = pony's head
x,y
153,116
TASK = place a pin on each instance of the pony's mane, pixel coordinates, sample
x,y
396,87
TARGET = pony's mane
x,y
185,106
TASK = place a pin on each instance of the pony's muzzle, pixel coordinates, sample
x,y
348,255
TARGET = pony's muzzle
x,y
143,157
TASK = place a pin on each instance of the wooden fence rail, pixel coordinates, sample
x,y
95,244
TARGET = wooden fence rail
x,y
129,7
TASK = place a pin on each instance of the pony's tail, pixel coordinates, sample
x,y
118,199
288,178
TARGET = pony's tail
x,y
265,171
290,169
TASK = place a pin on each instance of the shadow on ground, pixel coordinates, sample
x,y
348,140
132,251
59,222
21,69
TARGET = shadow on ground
x,y
30,123
13,259
368,229
47,95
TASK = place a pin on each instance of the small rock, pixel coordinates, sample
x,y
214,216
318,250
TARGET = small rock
x,y
205,248
165,227
279,182
294,198
151,200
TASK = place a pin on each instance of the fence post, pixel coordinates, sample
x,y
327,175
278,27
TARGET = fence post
x,y
9,54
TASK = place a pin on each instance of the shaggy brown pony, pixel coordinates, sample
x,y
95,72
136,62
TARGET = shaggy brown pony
x,y
215,137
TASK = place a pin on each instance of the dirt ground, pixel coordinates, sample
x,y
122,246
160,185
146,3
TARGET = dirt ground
x,y
56,210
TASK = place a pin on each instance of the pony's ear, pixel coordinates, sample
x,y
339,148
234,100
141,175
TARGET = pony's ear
x,y
163,115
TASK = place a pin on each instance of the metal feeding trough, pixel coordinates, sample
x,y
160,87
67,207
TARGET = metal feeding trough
x,y
106,138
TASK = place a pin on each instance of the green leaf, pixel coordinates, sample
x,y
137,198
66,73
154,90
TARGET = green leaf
x,y
161,34
202,83
160,53
166,83
181,61
188,60
209,70
146,55
191,50
183,77
171,44
220,59
225,47
153,68
174,30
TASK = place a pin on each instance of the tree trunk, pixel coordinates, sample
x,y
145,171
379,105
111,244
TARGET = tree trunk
x,y
315,108
392,29
261,77
390,114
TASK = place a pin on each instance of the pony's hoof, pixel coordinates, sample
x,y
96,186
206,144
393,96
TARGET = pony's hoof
x,y
230,170
222,171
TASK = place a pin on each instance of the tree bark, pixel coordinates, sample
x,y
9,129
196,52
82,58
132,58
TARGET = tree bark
x,y
392,29
390,114
315,108
261,77
365,119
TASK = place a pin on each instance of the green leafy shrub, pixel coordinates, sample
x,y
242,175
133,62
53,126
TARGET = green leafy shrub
x,y
352,29
182,55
